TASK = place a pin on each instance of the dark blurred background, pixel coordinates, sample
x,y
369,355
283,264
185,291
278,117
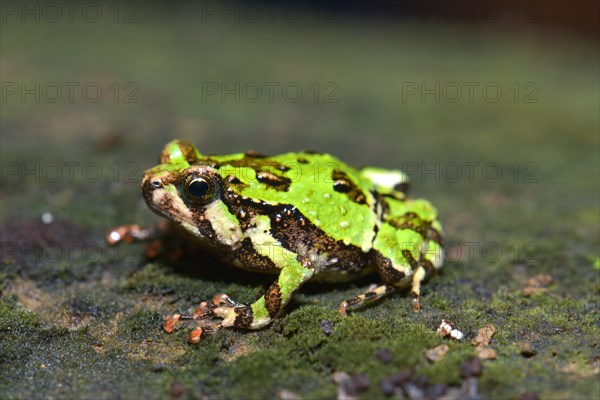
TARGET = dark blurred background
x,y
579,15
396,84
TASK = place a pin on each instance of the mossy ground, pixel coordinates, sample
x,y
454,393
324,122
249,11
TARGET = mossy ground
x,y
81,320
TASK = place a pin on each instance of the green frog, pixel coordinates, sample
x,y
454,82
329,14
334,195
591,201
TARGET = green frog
x,y
300,216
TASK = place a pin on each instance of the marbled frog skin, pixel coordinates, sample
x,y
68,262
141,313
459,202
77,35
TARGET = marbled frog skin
x,y
301,216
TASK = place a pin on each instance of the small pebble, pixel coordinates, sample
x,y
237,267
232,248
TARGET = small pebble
x,y
437,353
385,356
421,381
537,284
540,280
350,386
486,354
436,391
387,386
327,326
447,328
403,376
361,382
470,368
177,389
413,391
484,336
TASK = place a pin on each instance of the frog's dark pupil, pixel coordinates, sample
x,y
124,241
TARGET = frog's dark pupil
x,y
198,188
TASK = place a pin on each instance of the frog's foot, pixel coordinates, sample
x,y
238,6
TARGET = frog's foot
x,y
222,307
415,292
134,233
373,293
196,333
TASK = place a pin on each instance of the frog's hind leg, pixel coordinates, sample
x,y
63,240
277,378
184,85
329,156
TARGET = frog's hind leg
x,y
395,278
431,258
373,293
408,249
415,292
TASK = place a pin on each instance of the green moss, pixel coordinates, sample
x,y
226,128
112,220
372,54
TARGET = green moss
x,y
141,325
14,317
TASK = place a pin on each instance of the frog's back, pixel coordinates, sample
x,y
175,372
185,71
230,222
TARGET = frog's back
x,y
331,195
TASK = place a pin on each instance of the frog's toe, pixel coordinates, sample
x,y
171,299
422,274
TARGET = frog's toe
x,y
204,310
195,335
171,322
222,299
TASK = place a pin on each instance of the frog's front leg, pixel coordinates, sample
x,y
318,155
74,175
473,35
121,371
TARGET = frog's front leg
x,y
258,314
135,233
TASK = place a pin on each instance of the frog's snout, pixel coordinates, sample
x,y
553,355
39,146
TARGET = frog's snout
x,y
150,184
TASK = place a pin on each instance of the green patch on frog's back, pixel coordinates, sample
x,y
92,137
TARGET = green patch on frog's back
x,y
335,197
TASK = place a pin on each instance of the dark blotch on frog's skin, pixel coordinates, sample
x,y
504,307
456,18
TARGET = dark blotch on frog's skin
x,y
411,260
234,180
297,234
273,299
402,187
343,184
254,154
412,221
252,260
256,163
244,317
279,183
353,301
434,235
203,225
429,268
242,207
388,273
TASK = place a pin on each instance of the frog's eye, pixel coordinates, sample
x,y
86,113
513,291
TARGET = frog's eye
x,y
199,189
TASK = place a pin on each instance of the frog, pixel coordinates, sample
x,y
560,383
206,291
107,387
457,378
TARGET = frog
x,y
301,216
